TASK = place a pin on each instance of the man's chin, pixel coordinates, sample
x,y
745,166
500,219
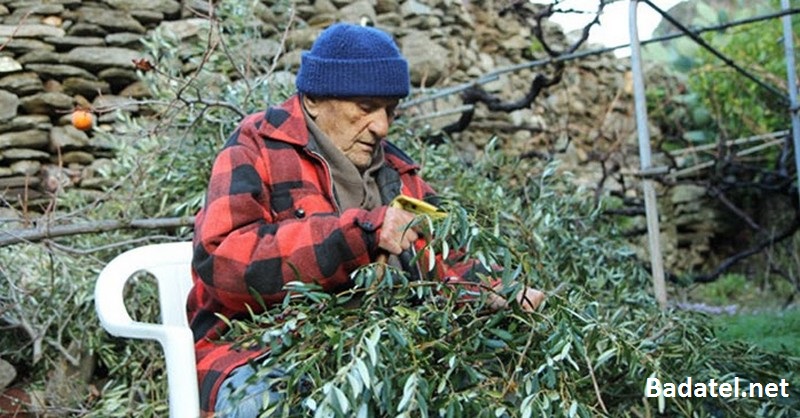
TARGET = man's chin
x,y
362,163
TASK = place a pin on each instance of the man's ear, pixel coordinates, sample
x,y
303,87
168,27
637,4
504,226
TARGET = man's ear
x,y
312,106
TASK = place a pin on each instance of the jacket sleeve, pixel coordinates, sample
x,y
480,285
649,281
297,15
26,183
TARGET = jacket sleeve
x,y
456,269
240,247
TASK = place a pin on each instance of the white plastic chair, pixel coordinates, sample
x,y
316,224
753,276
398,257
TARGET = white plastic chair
x,y
170,265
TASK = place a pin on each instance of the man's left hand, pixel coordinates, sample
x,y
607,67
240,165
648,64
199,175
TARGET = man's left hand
x,y
528,298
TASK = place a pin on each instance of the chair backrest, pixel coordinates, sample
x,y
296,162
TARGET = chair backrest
x,y
170,265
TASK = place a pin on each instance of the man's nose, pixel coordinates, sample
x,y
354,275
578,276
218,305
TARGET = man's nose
x,y
379,125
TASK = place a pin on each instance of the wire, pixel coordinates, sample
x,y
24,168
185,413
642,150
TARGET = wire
x,y
494,75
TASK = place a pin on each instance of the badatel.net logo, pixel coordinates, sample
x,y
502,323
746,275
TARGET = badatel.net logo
x,y
738,388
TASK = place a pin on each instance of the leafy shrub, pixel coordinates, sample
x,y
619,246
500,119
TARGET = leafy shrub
x,y
712,99
414,349
732,137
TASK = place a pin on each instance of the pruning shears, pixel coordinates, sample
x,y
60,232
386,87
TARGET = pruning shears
x,y
415,206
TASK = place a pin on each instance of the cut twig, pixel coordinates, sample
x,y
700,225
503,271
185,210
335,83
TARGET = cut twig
x,y
594,382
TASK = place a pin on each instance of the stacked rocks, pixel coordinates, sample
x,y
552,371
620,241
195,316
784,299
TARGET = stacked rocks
x,y
55,57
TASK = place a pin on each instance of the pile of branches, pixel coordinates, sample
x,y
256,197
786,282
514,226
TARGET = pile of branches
x,y
391,347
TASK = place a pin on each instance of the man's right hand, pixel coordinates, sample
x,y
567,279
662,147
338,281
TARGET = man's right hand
x,y
396,234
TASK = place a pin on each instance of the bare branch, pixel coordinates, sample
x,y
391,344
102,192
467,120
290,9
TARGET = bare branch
x,y
719,194
48,232
477,94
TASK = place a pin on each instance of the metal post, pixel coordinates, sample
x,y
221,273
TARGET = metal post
x,y
650,203
791,74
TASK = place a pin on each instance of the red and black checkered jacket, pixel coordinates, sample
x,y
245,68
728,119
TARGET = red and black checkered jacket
x,y
270,217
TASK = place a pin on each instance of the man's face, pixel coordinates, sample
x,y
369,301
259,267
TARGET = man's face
x,y
355,125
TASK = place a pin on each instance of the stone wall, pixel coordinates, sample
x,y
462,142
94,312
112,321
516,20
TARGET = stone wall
x,y
57,56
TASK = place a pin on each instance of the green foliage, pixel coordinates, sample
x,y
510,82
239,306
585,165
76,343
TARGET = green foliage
x,y
47,305
392,347
201,89
728,288
747,294
723,124
741,107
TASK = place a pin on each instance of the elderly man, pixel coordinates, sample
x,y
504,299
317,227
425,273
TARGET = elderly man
x,y
301,192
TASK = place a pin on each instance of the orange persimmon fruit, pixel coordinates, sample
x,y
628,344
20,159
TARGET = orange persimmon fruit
x,y
82,119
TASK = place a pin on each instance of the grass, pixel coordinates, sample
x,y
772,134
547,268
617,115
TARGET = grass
x,y
759,319
777,331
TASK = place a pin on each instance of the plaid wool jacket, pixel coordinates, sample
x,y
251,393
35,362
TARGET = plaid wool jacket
x,y
271,217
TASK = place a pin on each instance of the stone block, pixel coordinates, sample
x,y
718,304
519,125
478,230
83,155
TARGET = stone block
x,y
21,84
97,58
19,46
67,138
89,89
30,31
77,157
17,154
19,181
47,103
9,65
26,167
24,139
26,123
111,20
9,102
59,71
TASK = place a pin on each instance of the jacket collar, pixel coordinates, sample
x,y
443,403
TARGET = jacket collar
x,y
285,123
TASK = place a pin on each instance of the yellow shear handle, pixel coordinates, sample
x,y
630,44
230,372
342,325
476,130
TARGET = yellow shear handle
x,y
417,207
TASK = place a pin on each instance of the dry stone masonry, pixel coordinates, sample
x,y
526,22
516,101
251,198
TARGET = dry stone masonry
x,y
55,56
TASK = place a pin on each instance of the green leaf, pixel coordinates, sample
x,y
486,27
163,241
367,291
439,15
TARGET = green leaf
x,y
604,357
339,400
409,390
356,383
371,346
502,334
573,409
363,371
363,411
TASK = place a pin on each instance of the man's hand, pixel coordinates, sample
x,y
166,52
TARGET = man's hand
x,y
528,298
396,235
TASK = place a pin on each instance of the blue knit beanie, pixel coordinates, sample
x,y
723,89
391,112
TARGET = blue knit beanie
x,y
349,60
